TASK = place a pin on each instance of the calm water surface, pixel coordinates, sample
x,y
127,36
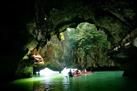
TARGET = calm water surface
x,y
97,81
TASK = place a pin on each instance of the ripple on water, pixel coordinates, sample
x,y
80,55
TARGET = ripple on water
x,y
98,81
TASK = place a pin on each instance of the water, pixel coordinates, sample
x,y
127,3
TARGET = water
x,y
97,81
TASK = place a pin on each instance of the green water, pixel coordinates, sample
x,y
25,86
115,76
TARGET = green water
x,y
97,81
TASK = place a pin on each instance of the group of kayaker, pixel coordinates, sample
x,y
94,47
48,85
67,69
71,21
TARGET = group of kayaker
x,y
78,73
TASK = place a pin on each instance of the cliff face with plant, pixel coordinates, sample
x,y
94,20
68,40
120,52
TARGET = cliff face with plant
x,y
80,47
89,46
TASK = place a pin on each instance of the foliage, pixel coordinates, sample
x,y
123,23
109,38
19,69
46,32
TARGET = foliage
x,y
90,45
24,71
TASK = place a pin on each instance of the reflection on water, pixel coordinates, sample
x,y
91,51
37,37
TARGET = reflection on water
x,y
52,84
66,83
98,81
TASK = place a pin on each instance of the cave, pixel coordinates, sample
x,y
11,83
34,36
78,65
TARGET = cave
x,y
97,35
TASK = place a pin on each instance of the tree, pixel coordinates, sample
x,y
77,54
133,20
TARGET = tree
x,y
90,45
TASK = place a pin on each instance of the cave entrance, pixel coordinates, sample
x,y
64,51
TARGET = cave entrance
x,y
81,47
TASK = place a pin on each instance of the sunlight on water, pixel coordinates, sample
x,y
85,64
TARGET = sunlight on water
x,y
97,81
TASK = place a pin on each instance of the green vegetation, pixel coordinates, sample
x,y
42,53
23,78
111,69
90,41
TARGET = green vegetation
x,y
89,46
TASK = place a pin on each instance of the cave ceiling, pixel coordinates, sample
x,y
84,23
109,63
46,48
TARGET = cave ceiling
x,y
117,18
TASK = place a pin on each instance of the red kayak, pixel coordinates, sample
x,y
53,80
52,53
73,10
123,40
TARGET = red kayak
x,y
76,74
